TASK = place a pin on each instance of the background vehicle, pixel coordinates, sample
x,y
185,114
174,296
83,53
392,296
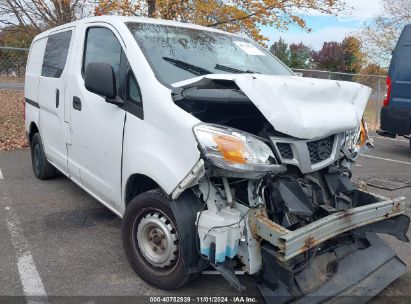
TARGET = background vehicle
x,y
396,111
214,154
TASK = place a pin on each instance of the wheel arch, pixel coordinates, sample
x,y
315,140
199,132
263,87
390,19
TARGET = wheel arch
x,y
33,129
136,184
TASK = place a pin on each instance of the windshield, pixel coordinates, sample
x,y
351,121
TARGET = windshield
x,y
178,53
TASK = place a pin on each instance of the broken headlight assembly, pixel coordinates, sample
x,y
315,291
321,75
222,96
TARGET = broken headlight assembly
x,y
357,141
234,150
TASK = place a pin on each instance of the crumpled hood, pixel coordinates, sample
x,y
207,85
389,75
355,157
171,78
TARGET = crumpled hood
x,y
305,108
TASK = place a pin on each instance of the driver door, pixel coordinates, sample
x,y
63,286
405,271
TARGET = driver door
x,y
96,126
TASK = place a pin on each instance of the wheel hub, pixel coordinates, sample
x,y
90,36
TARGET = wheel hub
x,y
157,240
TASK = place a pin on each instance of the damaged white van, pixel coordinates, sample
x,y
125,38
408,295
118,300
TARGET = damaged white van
x,y
214,154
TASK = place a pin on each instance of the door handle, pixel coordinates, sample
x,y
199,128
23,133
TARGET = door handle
x,y
76,103
57,98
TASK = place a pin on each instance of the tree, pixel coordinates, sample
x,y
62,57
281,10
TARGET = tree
x,y
373,69
353,56
296,56
330,57
239,16
367,76
301,56
380,35
345,56
35,16
17,36
281,51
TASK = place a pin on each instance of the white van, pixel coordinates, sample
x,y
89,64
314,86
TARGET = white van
x,y
214,154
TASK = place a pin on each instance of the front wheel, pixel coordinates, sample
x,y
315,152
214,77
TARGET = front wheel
x,y
151,241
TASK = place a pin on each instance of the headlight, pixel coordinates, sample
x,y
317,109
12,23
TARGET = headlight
x,y
358,141
232,149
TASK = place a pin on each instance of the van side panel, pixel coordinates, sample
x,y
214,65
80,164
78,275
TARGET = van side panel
x,y
400,71
396,117
51,96
32,79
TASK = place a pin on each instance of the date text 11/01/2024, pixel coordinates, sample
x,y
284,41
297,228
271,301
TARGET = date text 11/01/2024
x,y
204,299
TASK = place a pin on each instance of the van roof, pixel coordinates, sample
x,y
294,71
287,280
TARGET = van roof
x,y
113,19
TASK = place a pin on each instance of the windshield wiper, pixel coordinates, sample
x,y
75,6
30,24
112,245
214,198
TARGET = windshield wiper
x,y
232,70
196,70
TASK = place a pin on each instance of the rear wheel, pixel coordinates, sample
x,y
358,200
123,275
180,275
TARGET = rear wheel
x,y
151,241
41,167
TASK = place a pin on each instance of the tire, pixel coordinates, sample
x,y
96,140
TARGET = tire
x,y
42,169
145,214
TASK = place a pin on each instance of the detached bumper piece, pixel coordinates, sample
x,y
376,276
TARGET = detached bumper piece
x,y
338,258
346,275
292,243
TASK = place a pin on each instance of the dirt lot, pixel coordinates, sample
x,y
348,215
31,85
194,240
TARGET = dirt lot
x,y
12,133
11,79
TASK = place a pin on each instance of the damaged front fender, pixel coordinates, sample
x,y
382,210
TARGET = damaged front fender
x,y
190,179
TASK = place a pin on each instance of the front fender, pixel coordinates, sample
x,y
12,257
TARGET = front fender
x,y
166,156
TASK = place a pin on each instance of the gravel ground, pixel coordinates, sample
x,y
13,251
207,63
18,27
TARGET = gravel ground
x,y
12,132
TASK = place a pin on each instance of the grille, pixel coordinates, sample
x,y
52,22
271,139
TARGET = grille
x,y
320,149
285,150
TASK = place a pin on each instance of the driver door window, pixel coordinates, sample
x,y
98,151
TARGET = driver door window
x,y
102,46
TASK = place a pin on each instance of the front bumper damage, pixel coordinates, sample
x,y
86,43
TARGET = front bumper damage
x,y
349,270
302,227
293,243
356,278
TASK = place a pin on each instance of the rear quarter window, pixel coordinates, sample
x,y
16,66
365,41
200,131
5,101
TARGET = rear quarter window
x,y
55,55
36,55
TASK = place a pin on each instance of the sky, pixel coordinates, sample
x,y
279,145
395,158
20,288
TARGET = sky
x,y
326,27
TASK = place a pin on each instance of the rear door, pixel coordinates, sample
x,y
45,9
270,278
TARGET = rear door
x,y
400,72
52,86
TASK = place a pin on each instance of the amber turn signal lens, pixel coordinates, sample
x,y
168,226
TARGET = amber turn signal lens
x,y
363,134
230,148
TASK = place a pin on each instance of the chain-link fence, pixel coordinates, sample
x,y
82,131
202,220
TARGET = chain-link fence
x,y
375,82
12,66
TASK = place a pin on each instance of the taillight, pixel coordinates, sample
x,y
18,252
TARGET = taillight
x,y
389,86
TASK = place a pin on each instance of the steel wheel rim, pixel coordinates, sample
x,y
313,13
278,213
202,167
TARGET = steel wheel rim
x,y
157,240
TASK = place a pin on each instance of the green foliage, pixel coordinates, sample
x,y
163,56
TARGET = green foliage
x,y
296,56
301,56
281,51
17,36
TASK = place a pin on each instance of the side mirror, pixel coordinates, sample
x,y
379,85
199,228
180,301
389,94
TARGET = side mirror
x,y
101,80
